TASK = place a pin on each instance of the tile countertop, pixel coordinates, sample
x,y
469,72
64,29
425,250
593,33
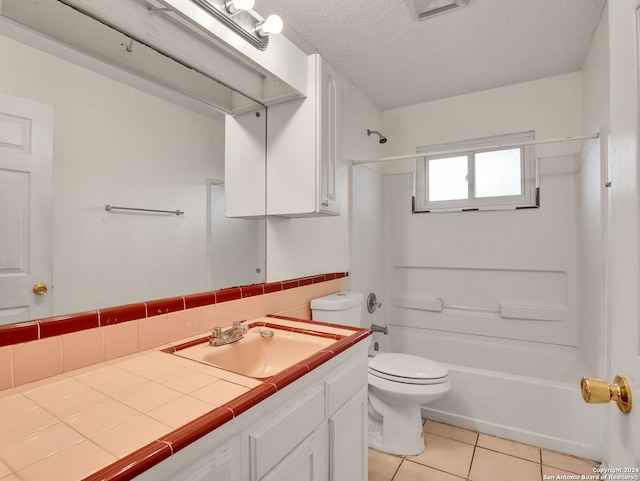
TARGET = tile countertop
x,y
115,419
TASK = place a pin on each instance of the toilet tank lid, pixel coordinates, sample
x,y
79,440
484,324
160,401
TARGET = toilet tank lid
x,y
337,301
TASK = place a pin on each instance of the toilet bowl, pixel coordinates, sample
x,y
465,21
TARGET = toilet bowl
x,y
398,383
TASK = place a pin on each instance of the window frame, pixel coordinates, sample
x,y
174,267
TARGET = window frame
x,y
529,198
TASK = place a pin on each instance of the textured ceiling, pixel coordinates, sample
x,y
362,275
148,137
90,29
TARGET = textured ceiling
x,y
397,61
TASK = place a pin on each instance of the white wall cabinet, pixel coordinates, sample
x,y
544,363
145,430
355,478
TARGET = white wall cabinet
x,y
303,148
302,153
312,430
245,164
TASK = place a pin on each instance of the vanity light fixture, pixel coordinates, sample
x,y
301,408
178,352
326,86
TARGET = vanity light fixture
x,y
238,16
234,6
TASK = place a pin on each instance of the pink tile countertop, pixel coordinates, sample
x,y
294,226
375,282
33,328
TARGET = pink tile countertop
x,y
115,419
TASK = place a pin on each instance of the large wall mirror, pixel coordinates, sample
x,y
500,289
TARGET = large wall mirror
x,y
116,143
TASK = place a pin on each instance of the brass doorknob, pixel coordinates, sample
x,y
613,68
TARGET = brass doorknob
x,y
40,289
598,391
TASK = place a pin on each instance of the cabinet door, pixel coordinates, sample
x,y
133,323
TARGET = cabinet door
x,y
223,464
292,152
329,136
303,148
305,463
245,164
272,442
348,452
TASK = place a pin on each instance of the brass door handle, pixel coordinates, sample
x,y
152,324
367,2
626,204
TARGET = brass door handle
x,y
598,391
40,289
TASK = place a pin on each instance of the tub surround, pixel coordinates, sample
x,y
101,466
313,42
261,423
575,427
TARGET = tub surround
x,y
152,403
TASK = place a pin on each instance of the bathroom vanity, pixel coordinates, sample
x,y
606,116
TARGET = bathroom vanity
x,y
288,400
313,429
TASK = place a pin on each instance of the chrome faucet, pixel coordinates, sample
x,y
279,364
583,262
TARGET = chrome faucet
x,y
234,334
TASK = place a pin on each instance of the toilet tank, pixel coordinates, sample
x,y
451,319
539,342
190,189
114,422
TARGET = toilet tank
x,y
344,308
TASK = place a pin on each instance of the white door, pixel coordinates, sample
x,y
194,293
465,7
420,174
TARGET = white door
x,y
26,143
623,447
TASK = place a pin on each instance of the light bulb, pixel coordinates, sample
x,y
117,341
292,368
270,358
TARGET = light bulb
x,y
233,6
273,24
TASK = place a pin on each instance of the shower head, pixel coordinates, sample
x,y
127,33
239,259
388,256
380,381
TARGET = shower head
x,y
383,139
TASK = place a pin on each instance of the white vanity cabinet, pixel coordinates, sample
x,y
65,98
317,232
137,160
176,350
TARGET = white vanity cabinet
x,y
303,148
222,463
348,446
311,430
347,423
307,462
270,445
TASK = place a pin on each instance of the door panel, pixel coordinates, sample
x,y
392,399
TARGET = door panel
x,y
26,130
623,450
348,443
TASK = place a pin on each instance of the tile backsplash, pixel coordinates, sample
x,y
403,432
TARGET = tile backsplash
x,y
39,349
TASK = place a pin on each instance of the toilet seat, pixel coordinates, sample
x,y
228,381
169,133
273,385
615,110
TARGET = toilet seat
x,y
407,369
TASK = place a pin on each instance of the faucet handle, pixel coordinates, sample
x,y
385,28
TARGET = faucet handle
x,y
373,303
217,332
238,325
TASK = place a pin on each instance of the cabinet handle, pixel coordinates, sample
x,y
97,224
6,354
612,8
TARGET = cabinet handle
x,y
325,203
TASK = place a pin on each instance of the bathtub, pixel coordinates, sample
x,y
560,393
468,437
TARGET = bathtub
x,y
524,391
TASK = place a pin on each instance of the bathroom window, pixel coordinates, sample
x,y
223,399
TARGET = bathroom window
x,y
483,174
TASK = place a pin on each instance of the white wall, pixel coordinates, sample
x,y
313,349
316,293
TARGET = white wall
x,y
592,202
116,145
367,239
299,247
237,248
550,106
367,208
595,79
480,260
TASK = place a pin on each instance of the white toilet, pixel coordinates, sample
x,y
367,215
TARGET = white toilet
x,y
398,383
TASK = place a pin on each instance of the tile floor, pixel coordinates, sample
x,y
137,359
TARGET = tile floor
x,y
455,454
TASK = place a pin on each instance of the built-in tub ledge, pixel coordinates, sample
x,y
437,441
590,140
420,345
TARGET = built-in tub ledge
x,y
504,309
254,390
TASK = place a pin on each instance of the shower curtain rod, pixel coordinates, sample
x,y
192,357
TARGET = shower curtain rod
x,y
495,146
